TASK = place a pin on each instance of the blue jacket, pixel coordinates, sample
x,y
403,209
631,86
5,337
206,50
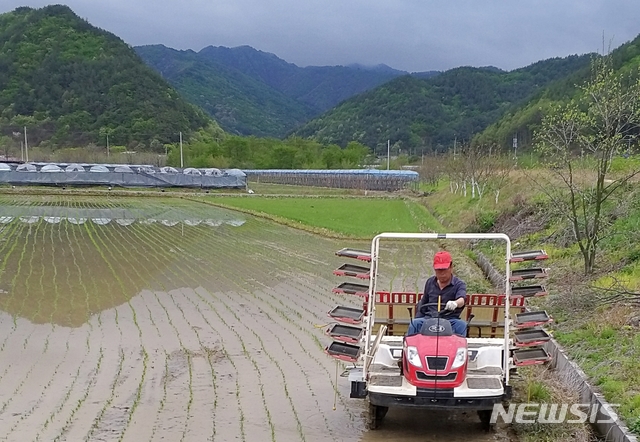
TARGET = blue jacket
x,y
456,289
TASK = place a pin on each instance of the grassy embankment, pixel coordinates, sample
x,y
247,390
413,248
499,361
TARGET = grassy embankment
x,y
601,337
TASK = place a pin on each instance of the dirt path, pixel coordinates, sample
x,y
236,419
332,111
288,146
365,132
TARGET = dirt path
x,y
217,334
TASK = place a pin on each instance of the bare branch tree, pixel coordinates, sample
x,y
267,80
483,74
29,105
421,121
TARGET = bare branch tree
x,y
603,123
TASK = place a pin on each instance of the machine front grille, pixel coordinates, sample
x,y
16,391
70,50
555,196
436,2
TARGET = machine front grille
x,y
428,377
437,362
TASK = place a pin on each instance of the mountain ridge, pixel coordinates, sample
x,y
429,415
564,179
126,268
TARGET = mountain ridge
x,y
431,113
291,94
71,82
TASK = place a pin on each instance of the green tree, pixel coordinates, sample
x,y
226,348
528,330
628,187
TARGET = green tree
x,y
603,122
284,157
237,150
331,156
354,155
7,146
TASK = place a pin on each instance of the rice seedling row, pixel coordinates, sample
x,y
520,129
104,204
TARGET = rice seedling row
x,y
95,427
43,393
66,256
151,400
12,297
83,399
113,382
75,392
78,241
28,419
37,249
36,371
144,259
31,355
148,260
48,265
154,374
82,373
314,338
191,331
103,240
263,345
8,257
244,347
280,331
83,376
292,305
208,350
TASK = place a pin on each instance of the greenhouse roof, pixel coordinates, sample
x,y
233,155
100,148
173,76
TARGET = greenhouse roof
x,y
382,173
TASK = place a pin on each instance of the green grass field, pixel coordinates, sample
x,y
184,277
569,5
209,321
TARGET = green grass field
x,y
350,217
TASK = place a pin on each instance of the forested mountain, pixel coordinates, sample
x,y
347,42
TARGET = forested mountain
x,y
417,114
321,87
240,103
251,92
71,83
524,120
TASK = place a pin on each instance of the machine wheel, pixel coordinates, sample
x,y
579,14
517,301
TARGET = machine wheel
x,y
485,418
375,416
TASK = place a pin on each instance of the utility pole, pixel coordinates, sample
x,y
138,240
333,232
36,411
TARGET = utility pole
x,y
515,146
181,158
388,154
26,146
107,145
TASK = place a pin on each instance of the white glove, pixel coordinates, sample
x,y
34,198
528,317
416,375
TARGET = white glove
x,y
451,305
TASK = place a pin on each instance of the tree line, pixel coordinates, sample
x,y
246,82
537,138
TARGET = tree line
x,y
205,148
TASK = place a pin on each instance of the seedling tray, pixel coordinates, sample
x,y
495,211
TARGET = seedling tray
x,y
529,338
343,351
349,315
352,270
531,319
528,256
529,291
352,289
363,255
345,333
531,356
522,274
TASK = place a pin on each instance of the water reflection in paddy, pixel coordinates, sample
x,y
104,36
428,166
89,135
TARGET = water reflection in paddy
x,y
124,216
62,263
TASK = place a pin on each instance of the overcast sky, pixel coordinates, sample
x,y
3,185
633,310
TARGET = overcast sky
x,y
412,35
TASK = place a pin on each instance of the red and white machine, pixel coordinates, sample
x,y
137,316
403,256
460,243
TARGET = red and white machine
x,y
436,368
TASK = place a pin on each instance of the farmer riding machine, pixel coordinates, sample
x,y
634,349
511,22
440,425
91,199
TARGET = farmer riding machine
x,y
436,369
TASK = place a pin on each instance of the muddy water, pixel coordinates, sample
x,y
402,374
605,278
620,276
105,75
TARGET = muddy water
x,y
202,325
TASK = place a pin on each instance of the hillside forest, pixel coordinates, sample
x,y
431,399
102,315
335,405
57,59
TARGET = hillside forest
x,y
72,92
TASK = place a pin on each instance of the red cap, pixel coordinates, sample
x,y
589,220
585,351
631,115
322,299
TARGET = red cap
x,y
441,260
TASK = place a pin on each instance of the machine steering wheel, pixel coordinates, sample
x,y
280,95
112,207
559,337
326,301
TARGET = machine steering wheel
x,y
440,314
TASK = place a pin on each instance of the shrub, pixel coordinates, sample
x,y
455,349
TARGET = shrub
x,y
485,220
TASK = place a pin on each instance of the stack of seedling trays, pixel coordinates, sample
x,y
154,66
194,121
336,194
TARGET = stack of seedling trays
x,y
347,331
529,338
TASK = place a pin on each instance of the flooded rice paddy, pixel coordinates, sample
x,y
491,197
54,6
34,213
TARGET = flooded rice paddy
x,y
164,319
